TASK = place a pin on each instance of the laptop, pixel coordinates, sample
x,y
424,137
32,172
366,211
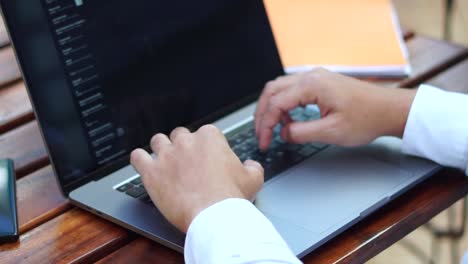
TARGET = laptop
x,y
104,76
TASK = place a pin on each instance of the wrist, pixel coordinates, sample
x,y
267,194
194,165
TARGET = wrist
x,y
398,105
203,205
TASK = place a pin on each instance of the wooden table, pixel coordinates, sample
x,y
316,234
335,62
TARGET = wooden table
x,y
53,230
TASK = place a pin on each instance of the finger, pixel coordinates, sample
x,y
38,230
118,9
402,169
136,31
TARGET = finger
x,y
212,133
286,119
312,131
271,88
159,142
141,161
279,105
178,132
253,185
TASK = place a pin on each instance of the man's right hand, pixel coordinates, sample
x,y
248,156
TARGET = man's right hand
x,y
193,171
353,112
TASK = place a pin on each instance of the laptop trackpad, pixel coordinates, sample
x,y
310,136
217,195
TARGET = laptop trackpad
x,y
332,188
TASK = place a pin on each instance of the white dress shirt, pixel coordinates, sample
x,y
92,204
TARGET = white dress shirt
x,y
234,231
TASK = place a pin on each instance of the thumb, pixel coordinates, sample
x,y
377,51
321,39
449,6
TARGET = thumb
x,y
252,185
311,131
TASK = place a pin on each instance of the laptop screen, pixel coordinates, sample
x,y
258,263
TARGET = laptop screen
x,y
104,76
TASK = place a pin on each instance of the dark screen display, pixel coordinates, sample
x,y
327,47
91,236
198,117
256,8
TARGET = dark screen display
x,y
105,76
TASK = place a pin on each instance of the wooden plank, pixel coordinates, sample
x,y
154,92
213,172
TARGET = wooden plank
x,y
144,251
430,57
39,199
9,71
51,232
4,39
75,236
455,79
424,64
15,107
25,146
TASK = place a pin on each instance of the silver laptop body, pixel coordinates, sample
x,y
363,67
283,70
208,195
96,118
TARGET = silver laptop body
x,y
309,203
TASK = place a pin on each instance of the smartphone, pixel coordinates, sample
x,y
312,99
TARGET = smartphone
x,y
8,211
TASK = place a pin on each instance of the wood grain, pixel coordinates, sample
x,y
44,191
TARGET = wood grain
x,y
9,71
73,237
144,251
15,108
51,232
455,79
424,64
25,146
4,39
430,57
39,199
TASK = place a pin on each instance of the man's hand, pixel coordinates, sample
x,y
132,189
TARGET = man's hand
x,y
353,112
193,171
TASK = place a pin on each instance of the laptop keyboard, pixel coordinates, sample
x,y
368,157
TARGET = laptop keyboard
x,y
279,157
135,189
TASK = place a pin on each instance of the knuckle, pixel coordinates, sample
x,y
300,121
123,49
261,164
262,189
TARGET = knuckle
x,y
259,177
134,156
149,176
315,75
209,129
177,132
155,139
269,87
134,159
183,140
279,79
162,154
165,157
275,102
310,78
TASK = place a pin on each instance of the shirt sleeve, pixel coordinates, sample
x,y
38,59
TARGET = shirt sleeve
x,y
437,127
232,232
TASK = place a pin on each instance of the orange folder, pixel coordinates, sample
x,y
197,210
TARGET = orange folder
x,y
355,37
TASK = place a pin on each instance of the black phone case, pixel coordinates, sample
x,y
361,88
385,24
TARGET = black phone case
x,y
11,237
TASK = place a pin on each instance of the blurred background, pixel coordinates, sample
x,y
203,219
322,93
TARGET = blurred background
x,y
429,17
426,245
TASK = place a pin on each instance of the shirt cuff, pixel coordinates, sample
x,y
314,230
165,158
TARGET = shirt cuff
x,y
235,231
437,127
